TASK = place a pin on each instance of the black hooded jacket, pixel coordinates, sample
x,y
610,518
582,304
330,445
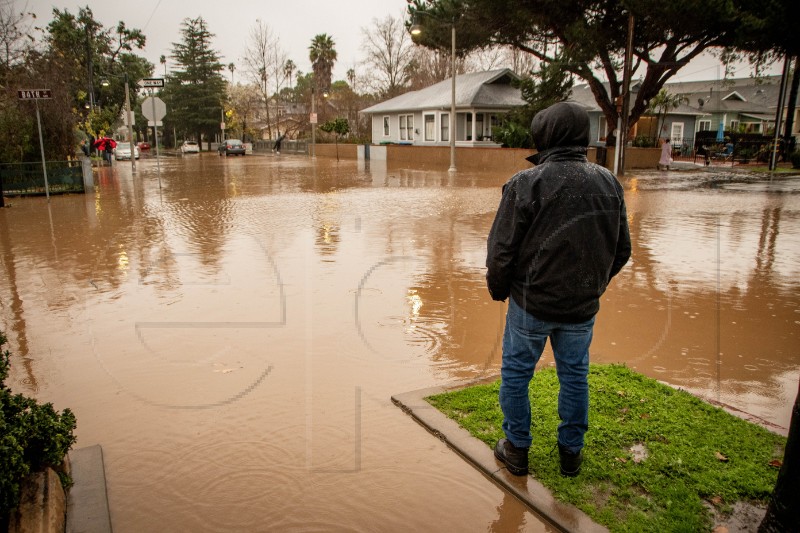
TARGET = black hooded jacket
x,y
561,231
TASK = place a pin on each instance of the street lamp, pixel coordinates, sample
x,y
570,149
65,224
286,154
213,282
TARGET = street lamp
x,y
105,83
416,29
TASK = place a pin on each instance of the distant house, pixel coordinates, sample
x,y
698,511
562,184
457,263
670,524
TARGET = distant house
x,y
423,117
678,124
738,104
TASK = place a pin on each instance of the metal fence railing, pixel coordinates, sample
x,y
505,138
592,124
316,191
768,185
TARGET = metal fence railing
x,y
287,146
735,148
22,179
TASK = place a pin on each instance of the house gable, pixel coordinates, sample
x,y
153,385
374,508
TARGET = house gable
x,y
735,96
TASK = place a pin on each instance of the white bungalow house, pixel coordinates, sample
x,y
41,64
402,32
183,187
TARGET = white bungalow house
x,y
423,117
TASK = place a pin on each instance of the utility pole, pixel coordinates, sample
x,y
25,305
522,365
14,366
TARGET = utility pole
x,y
773,156
130,124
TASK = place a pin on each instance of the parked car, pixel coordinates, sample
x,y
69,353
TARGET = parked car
x,y
123,151
231,147
143,146
190,147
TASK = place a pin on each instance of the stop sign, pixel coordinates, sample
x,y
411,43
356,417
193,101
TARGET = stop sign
x,y
154,108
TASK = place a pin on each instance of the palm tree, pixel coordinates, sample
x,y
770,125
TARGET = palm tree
x,y
322,55
662,104
288,69
231,67
163,61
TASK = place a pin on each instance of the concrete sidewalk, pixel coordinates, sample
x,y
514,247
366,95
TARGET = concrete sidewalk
x,y
529,491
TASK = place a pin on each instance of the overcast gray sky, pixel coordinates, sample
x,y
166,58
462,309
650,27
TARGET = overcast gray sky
x,y
295,22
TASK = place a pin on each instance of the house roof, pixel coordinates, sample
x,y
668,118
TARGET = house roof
x,y
489,89
739,95
584,96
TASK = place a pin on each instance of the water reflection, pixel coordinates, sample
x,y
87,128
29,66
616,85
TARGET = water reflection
x,y
267,290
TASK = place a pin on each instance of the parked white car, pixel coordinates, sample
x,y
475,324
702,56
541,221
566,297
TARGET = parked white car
x,y
190,147
123,151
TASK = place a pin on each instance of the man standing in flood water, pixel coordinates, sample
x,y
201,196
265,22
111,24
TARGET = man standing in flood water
x,y
559,236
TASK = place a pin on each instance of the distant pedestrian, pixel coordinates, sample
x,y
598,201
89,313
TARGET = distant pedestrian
x,y
84,148
278,141
666,156
560,234
108,148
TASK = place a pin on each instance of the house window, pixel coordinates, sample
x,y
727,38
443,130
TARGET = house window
x,y
705,125
734,125
602,132
753,127
468,126
385,126
430,128
445,118
406,127
676,134
493,123
479,134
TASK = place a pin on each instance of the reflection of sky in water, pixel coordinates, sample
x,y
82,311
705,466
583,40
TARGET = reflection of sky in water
x,y
700,244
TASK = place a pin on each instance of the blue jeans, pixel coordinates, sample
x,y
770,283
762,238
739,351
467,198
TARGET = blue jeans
x,y
523,341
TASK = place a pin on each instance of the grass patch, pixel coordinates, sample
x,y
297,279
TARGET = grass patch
x,y
656,459
778,170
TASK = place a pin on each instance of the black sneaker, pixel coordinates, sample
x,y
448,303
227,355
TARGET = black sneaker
x,y
515,459
570,462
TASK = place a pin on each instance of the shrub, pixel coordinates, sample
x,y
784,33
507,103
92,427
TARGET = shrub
x,y
644,141
33,437
512,135
795,157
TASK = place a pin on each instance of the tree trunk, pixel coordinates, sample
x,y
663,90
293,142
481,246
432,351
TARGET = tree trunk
x,y
783,512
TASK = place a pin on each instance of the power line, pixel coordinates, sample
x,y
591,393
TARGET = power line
x,y
151,15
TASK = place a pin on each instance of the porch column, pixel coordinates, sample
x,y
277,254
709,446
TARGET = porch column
x,y
474,138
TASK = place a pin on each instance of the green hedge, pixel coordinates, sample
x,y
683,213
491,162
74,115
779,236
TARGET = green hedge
x,y
33,437
796,159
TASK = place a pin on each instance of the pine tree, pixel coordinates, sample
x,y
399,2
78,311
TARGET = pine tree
x,y
196,88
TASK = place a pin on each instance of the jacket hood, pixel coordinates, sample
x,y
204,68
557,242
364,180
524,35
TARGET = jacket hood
x,y
561,124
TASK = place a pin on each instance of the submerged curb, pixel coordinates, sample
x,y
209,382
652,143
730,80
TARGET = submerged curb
x,y
87,501
527,489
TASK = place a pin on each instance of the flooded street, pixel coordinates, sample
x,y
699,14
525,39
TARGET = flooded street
x,y
232,339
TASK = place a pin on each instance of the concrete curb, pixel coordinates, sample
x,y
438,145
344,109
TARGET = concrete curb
x,y
87,501
529,491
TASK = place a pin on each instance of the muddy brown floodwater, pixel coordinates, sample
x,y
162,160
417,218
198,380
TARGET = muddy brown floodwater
x,y
232,340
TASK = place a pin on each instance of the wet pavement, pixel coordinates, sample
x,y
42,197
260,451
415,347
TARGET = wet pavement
x,y
232,340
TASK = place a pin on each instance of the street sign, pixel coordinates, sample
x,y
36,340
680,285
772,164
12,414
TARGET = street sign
x,y
222,126
34,94
154,108
313,118
151,123
151,82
